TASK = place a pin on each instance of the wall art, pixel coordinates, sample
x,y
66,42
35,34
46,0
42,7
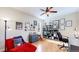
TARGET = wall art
x,y
35,22
19,25
62,24
68,23
56,24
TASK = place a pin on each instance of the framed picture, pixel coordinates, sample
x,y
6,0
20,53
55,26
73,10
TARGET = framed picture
x,y
38,27
62,21
55,24
19,25
32,27
35,22
62,27
62,24
25,26
68,23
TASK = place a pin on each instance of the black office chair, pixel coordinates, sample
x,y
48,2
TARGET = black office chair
x,y
65,40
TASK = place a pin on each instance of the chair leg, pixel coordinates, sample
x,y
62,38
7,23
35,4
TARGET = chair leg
x,y
62,46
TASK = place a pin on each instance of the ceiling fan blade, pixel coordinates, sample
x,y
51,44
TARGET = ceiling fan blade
x,y
42,9
50,7
42,14
53,11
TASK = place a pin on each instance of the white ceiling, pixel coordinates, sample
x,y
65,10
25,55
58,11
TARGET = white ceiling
x,y
35,11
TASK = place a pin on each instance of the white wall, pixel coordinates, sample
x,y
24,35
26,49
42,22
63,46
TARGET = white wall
x,y
69,30
15,16
77,17
74,17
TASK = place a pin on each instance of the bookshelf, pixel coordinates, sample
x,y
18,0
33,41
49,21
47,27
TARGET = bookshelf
x,y
49,30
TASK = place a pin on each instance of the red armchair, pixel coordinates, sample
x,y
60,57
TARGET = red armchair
x,y
25,47
9,44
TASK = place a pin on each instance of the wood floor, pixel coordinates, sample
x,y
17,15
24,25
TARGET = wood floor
x,y
49,46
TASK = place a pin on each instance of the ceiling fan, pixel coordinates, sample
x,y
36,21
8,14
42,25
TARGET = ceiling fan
x,y
48,10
